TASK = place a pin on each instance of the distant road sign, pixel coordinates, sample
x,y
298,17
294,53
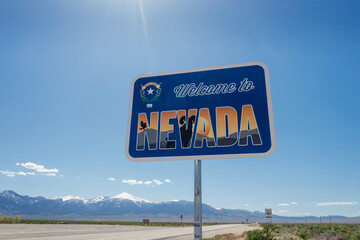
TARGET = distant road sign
x,y
218,112
268,212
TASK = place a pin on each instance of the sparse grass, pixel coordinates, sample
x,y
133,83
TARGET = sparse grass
x,y
298,232
8,219
312,231
229,236
259,234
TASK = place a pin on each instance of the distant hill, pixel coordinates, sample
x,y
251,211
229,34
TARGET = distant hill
x,y
126,207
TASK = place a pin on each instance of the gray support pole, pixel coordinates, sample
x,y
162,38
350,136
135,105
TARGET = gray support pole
x,y
197,201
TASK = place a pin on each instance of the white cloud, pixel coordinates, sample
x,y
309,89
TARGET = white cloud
x,y
36,167
267,204
13,174
336,203
157,182
111,179
148,182
130,181
283,204
247,205
282,211
287,204
50,174
8,173
32,166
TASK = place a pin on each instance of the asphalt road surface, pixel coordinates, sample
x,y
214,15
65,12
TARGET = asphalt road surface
x,y
112,232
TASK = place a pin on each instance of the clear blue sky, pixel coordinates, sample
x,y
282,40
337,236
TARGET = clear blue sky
x,y
65,73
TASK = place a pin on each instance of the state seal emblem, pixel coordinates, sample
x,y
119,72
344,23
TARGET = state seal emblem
x,y
150,92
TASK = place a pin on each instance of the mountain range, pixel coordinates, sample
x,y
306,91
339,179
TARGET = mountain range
x,y
126,207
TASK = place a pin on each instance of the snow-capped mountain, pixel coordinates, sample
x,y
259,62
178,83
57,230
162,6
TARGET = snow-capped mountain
x,y
122,207
122,197
128,196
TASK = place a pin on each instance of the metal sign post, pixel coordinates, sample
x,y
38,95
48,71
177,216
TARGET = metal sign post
x,y
197,201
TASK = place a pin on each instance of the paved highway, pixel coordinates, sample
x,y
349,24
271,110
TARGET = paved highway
x,y
111,232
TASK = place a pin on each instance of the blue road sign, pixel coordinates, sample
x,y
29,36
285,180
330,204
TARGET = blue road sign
x,y
217,112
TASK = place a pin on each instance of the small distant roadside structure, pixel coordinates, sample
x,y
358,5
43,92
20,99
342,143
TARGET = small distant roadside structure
x,y
268,213
146,222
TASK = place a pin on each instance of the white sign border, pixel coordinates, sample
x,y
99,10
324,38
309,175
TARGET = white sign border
x,y
201,157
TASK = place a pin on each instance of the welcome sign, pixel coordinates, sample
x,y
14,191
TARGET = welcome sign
x,y
218,112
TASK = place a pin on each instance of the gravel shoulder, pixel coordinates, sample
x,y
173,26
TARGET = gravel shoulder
x,y
212,231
